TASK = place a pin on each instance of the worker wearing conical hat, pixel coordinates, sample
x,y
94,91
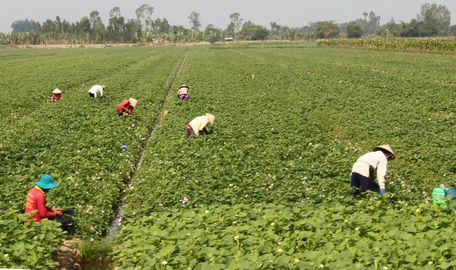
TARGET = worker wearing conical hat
x,y
96,90
126,106
182,93
56,95
198,126
363,170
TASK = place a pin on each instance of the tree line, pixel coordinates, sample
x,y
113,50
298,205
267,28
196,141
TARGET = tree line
x,y
433,20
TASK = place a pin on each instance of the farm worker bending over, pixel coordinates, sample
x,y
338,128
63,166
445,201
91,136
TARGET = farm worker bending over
x,y
182,93
96,90
126,106
56,95
199,125
363,169
36,199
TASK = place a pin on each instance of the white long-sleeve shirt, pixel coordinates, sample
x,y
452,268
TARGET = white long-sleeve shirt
x,y
182,91
375,159
96,89
199,123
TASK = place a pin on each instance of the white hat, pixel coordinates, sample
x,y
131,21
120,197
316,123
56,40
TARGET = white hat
x,y
133,102
386,148
210,118
56,91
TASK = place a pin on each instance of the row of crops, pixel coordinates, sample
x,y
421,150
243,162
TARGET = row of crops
x,y
404,44
78,140
268,188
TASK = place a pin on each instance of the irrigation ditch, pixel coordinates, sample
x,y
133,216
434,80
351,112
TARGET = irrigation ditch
x,y
69,255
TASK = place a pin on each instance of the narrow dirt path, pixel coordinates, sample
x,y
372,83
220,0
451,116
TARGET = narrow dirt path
x,y
67,256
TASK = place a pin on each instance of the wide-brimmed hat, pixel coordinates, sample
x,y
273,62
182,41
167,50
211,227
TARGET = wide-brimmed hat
x,y
184,85
133,102
46,182
210,118
56,91
386,148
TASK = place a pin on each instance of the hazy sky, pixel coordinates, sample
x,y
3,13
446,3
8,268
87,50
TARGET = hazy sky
x,y
284,12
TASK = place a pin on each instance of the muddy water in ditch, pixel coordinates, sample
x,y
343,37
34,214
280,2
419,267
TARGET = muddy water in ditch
x,y
120,211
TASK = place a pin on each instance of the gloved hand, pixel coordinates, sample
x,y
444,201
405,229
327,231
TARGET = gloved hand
x,y
382,191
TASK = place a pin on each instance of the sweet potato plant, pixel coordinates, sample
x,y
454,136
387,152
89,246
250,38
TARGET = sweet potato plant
x,y
268,187
77,140
290,124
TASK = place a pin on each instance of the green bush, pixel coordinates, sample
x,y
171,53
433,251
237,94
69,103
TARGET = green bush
x,y
405,44
368,235
28,245
93,250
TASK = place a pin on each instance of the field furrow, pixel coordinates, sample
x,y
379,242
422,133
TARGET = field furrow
x,y
78,141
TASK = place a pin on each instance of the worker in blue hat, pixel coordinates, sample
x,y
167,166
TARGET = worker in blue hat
x,y
36,199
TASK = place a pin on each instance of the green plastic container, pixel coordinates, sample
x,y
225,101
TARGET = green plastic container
x,y
438,196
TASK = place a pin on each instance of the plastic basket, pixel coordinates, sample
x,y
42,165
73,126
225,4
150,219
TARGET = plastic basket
x,y
438,195
451,192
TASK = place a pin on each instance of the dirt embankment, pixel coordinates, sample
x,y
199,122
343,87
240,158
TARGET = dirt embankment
x,y
67,256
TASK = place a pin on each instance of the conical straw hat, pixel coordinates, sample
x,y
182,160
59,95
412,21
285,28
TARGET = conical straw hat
x,y
210,118
133,102
184,85
56,91
387,148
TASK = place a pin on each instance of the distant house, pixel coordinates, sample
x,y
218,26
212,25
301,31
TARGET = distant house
x,y
229,39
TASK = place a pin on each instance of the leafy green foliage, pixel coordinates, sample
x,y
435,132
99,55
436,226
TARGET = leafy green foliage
x,y
289,126
419,45
78,140
93,250
354,30
27,245
366,235
290,123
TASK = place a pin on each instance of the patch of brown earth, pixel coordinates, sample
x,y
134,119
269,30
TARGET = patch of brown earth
x,y
67,256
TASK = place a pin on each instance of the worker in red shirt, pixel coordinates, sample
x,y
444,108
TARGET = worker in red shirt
x,y
126,106
36,199
56,95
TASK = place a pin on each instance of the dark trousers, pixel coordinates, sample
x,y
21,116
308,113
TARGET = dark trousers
x,y
67,221
364,183
190,131
183,97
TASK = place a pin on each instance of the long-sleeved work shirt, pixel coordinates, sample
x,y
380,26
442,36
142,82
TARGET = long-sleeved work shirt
x,y
96,89
182,91
377,160
199,123
125,106
36,200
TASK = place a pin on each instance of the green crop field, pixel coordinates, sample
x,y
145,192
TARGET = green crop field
x,y
267,189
